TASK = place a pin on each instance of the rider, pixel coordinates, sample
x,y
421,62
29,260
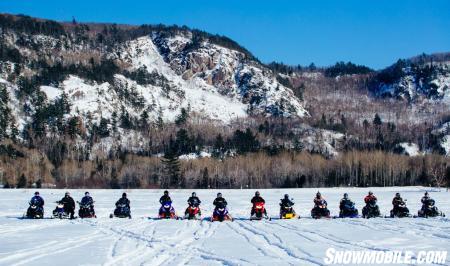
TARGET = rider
x,y
165,197
37,200
286,201
69,204
87,200
220,201
193,201
345,201
319,200
257,199
370,197
397,201
427,201
123,200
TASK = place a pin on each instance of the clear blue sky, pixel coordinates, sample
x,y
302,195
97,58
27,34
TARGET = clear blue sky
x,y
375,33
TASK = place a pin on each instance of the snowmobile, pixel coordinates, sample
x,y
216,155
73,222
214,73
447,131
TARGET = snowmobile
x,y
430,210
59,211
320,211
167,211
259,212
193,212
348,211
371,210
121,211
401,211
287,211
86,211
34,211
221,214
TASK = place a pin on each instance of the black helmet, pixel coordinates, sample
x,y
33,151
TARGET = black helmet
x,y
36,193
370,193
194,194
86,193
166,192
397,194
318,194
219,195
67,193
124,195
286,196
345,195
257,193
426,193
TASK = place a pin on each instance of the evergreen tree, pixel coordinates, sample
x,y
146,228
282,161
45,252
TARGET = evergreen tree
x,y
143,121
205,178
182,117
103,130
22,183
183,142
377,120
171,168
219,147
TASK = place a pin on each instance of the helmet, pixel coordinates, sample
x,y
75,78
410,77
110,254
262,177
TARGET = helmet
x,y
318,194
257,193
426,193
219,195
397,194
124,195
166,192
286,196
345,195
67,193
370,193
86,193
194,194
36,193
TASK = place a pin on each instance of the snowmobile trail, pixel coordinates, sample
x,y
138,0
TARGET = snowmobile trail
x,y
145,240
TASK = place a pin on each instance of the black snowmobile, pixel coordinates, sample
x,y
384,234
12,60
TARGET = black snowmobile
x,y
371,210
86,210
320,211
121,211
429,210
400,211
34,211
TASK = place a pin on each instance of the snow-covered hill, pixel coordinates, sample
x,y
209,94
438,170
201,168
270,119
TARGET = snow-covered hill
x,y
159,72
144,241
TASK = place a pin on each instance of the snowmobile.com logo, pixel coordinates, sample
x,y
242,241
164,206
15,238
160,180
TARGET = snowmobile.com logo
x,y
333,256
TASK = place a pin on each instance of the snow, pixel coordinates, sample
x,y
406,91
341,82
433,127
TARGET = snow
x,y
411,149
143,241
192,156
51,92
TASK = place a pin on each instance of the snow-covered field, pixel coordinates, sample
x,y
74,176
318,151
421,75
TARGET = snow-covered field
x,y
146,241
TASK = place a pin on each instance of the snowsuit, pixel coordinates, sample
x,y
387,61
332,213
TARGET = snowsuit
x,y
369,198
123,201
38,200
344,202
165,198
427,201
397,201
220,202
319,202
69,205
87,200
286,202
194,201
257,199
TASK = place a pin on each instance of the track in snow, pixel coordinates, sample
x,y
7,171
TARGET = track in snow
x,y
143,241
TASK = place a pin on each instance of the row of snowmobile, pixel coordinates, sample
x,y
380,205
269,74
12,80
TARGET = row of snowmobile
x,y
258,212
371,209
